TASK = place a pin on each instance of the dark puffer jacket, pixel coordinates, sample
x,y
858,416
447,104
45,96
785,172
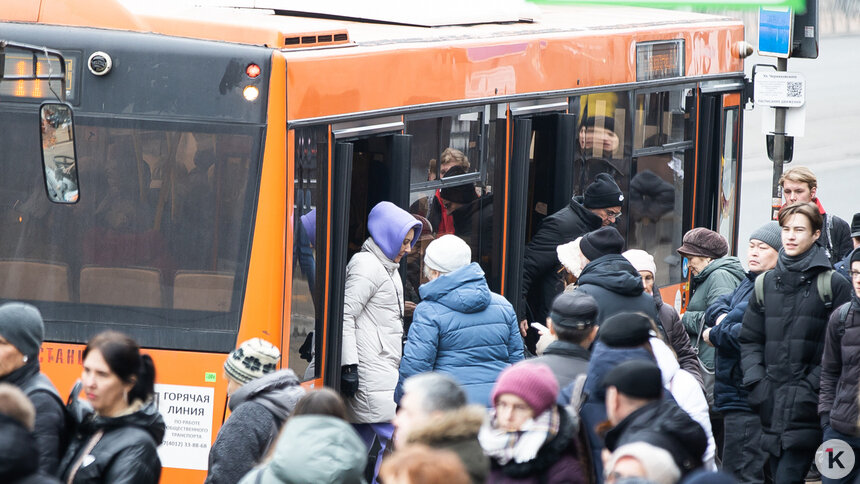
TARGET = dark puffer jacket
x,y
50,431
557,461
617,287
729,393
258,410
678,338
840,371
457,431
124,454
719,277
781,347
541,282
663,424
19,458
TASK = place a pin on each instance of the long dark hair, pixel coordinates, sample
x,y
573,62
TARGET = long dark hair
x,y
124,359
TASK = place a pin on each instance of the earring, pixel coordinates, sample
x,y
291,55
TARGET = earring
x,y
26,358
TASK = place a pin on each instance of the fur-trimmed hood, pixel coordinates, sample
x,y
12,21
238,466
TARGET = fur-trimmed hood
x,y
463,423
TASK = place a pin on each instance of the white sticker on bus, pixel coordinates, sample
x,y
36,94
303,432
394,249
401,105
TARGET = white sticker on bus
x,y
187,412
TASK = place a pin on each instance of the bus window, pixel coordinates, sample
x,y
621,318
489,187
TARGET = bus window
x,y
157,239
58,152
308,251
660,119
728,174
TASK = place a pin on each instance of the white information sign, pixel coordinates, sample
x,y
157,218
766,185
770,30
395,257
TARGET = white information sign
x,y
188,413
779,89
795,121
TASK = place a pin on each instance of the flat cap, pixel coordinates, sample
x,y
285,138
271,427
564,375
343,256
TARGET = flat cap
x,y
625,330
637,379
574,310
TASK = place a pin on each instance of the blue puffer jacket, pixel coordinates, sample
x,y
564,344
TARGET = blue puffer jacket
x,y
462,329
729,394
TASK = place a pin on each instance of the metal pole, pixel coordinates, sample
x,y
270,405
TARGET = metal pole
x,y
778,148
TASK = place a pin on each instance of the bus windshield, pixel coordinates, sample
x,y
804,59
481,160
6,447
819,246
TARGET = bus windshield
x,y
158,239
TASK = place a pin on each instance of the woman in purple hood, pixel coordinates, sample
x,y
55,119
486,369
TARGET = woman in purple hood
x,y
373,321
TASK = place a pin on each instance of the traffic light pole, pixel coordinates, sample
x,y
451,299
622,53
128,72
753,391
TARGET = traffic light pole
x,y
778,148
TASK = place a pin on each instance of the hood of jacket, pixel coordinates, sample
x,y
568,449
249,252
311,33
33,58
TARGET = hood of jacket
x,y
728,263
464,290
370,245
388,225
614,273
603,360
278,392
147,418
463,423
19,456
666,360
319,449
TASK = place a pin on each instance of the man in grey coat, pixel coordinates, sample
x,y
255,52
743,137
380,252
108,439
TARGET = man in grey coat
x,y
572,319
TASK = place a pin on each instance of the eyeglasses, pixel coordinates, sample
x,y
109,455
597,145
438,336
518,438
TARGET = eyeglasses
x,y
612,215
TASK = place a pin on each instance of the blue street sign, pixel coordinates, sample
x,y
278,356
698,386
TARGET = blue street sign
x,y
774,31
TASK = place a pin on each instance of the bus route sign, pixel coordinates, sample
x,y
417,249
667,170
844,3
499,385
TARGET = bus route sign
x,y
774,31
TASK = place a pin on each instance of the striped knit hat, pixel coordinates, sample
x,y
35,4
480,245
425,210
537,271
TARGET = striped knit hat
x,y
251,360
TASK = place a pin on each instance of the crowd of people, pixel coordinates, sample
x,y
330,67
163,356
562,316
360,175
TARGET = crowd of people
x,y
616,387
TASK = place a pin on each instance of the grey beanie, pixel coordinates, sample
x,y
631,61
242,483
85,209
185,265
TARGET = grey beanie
x,y
769,233
21,325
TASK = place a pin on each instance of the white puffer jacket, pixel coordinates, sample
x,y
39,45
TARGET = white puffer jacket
x,y
373,332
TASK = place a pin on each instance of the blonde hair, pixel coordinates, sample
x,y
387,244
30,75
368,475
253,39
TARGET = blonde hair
x,y
453,155
800,174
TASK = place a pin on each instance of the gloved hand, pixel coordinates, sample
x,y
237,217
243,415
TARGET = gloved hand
x,y
348,380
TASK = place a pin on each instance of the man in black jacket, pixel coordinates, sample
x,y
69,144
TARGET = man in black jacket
x,y
600,206
573,321
782,340
639,413
840,370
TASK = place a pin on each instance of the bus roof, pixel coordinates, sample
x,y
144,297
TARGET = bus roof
x,y
273,28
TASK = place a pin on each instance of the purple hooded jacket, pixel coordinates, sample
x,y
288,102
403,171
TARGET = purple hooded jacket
x,y
388,225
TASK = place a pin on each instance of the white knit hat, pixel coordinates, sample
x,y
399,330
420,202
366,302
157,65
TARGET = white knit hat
x,y
658,464
251,360
641,260
447,254
568,255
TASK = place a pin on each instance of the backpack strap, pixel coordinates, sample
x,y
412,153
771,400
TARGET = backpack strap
x,y
578,393
759,288
824,284
843,315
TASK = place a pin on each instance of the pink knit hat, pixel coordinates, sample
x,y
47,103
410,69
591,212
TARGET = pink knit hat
x,y
533,382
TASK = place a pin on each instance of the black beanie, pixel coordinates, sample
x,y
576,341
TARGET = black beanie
x,y
637,379
603,241
602,193
458,193
855,257
625,330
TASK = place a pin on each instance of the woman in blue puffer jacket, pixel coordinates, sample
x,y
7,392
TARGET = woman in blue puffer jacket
x,y
460,327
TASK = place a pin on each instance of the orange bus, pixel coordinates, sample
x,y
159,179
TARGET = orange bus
x,y
223,161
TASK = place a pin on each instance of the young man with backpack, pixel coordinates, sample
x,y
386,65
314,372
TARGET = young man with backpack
x,y
840,370
782,340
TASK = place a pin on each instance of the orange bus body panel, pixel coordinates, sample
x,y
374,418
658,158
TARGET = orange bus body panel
x,y
262,311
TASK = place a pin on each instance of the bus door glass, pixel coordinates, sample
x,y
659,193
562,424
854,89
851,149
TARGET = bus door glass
x,y
727,220
662,153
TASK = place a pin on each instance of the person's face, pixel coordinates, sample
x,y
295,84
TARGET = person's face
x,y
512,412
10,358
409,416
608,215
451,206
105,390
761,257
855,277
647,281
698,263
443,169
599,139
797,235
625,467
406,245
795,192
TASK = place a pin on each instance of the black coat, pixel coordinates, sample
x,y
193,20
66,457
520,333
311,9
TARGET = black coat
x,y
840,371
678,338
541,280
664,424
729,393
617,287
566,360
781,347
125,453
840,231
50,430
19,458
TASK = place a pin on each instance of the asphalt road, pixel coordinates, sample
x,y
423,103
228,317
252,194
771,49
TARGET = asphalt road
x,y
830,146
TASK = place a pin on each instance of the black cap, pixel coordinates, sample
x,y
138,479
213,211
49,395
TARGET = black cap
x,y
855,225
603,241
637,379
602,193
855,257
573,310
625,330
458,193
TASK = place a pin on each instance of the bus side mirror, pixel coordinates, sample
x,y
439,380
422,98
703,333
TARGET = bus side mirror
x,y
58,152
